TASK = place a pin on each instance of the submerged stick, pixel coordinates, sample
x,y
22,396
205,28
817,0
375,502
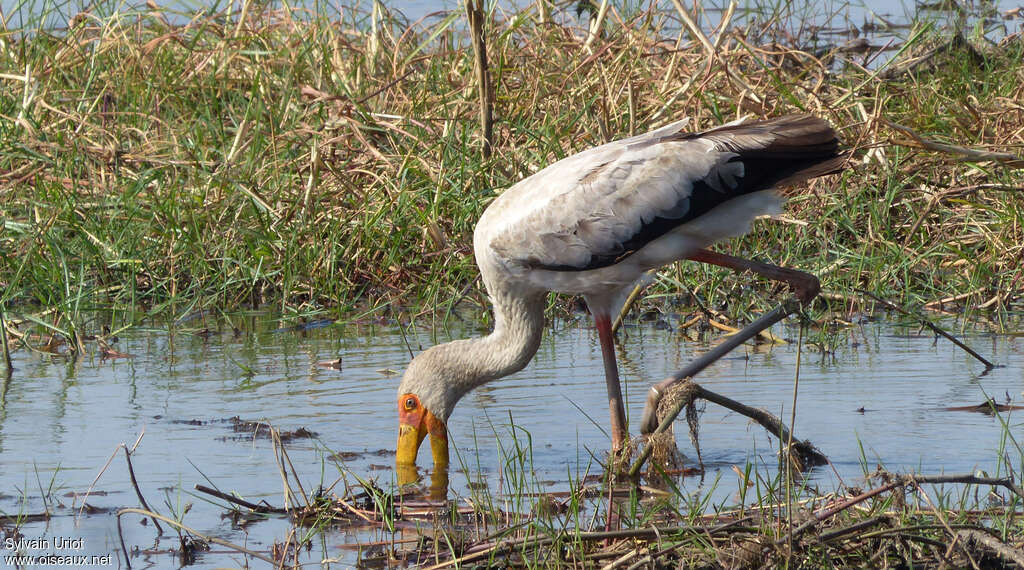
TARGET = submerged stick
x,y
240,502
934,328
20,519
188,529
138,492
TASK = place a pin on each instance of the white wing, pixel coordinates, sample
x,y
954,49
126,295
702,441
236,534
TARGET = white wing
x,y
595,208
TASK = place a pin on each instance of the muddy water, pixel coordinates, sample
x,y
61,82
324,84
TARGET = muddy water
x,y
883,389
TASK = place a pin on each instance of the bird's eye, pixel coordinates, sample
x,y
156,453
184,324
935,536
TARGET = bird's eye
x,y
410,403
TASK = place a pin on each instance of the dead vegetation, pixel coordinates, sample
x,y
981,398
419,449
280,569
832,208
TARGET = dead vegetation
x,y
903,520
316,160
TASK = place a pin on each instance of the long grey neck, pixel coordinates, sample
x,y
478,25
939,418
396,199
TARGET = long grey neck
x,y
518,324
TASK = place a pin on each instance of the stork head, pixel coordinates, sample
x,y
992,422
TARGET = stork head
x,y
426,398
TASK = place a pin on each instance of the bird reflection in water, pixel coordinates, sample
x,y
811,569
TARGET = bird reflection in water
x,y
410,475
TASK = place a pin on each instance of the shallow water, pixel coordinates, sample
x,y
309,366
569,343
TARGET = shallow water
x,y
61,420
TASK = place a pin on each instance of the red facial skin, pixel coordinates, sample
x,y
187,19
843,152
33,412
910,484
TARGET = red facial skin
x,y
415,422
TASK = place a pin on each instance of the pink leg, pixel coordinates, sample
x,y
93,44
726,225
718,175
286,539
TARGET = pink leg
x,y
611,378
804,285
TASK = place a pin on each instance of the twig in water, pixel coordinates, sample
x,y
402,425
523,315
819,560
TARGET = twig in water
x,y
803,451
135,483
282,459
405,339
240,502
97,478
187,529
927,323
26,518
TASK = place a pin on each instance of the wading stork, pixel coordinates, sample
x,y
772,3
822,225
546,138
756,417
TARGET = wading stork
x,y
592,224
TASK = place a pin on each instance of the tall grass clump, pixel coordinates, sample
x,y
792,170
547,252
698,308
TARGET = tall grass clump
x,y
323,157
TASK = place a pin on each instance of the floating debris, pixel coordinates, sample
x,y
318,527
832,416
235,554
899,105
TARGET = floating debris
x,y
334,364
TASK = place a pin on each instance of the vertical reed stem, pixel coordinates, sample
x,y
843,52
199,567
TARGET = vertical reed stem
x,y
3,343
475,12
596,22
543,17
789,445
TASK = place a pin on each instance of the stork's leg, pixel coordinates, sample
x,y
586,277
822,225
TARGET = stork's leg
x,y
611,378
804,285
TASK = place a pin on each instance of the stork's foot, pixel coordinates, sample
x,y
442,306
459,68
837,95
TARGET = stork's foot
x,y
619,457
804,285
